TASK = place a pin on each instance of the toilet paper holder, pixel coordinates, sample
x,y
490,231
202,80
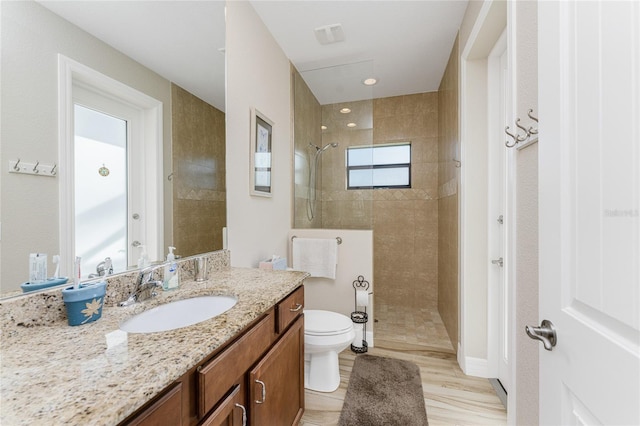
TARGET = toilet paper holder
x,y
360,318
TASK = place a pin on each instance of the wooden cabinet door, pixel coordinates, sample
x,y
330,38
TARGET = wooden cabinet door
x,y
166,411
276,384
230,412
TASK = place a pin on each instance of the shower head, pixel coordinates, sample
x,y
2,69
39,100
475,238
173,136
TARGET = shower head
x,y
332,145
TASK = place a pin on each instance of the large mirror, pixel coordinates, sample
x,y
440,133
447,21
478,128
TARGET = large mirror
x,y
171,52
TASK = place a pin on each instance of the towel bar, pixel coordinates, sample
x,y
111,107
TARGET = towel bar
x,y
338,239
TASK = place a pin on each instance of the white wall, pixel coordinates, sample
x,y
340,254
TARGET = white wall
x,y
482,29
31,38
523,396
525,32
257,76
355,257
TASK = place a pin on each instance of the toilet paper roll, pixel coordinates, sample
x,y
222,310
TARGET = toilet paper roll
x,y
357,340
362,298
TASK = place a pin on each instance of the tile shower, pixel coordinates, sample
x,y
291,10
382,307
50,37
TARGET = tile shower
x,y
405,222
198,157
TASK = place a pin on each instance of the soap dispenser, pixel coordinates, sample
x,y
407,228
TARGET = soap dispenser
x,y
171,278
143,260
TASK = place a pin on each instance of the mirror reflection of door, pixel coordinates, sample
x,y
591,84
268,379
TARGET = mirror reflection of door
x,y
107,221
100,184
111,195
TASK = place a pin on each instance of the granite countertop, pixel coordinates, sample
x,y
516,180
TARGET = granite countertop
x,y
97,374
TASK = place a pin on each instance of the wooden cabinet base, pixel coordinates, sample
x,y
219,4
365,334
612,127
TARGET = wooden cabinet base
x,y
257,378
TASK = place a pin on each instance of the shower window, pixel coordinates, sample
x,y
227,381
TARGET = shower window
x,y
379,166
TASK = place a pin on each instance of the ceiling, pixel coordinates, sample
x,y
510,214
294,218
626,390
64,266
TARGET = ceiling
x,y
404,44
180,40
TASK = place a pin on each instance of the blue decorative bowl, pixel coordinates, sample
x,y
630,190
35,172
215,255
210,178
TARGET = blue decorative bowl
x,y
84,304
51,282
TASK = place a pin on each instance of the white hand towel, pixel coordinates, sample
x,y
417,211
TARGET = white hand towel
x,y
317,256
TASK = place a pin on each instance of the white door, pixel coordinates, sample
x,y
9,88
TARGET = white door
x,y
498,88
108,146
589,171
80,85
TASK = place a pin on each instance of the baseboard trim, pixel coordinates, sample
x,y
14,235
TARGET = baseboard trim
x,y
500,391
369,338
477,367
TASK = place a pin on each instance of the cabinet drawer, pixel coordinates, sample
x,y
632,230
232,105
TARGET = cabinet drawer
x,y
167,410
289,308
216,377
230,411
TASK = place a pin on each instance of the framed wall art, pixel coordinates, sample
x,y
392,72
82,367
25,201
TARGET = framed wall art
x,y
261,154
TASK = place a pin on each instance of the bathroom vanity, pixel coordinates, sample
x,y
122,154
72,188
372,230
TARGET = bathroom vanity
x,y
248,358
257,379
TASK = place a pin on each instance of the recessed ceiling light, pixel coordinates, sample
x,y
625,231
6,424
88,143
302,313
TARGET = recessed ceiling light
x,y
345,110
369,81
323,127
351,124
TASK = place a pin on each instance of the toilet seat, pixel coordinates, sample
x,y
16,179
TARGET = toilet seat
x,y
326,323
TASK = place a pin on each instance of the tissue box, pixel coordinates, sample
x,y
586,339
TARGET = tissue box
x,y
279,264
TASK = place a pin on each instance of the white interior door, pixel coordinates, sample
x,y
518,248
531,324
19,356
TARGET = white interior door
x,y
498,87
110,221
589,153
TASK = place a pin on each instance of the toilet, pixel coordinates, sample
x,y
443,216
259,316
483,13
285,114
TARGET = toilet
x,y
326,334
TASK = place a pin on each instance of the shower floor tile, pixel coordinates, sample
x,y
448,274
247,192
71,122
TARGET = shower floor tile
x,y
399,327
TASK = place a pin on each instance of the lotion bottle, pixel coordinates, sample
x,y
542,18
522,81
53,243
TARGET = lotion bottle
x,y
143,260
171,279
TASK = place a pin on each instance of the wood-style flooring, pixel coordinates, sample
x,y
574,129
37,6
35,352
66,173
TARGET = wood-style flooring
x,y
451,397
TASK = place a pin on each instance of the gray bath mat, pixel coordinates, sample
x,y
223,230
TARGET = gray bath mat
x,y
383,392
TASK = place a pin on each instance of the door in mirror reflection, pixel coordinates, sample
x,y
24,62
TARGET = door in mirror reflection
x,y
100,185
110,146
108,215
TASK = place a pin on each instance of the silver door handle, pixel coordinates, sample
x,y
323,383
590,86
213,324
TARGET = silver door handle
x,y
499,262
264,392
546,333
136,243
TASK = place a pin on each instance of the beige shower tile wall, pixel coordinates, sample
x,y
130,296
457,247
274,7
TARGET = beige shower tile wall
x,y
307,122
448,150
342,209
199,194
406,220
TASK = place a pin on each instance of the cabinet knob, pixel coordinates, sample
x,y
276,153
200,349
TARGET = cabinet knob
x,y
264,392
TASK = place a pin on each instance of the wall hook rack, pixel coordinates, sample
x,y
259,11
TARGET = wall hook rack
x,y
528,132
532,130
38,169
516,138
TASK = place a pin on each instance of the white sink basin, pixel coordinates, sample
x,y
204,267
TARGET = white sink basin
x,y
178,314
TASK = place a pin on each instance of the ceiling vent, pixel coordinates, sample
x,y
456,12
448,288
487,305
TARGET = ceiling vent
x,y
329,34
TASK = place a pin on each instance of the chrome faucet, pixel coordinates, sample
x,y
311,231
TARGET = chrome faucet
x,y
103,268
145,286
